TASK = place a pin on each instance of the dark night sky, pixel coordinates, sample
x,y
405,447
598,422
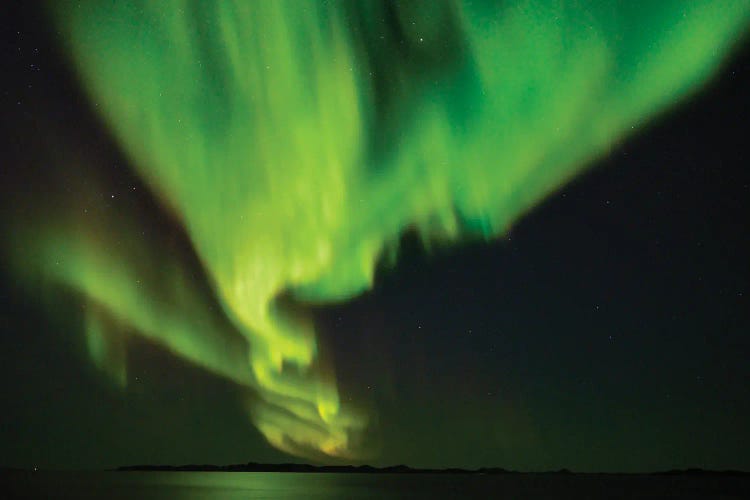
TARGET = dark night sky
x,y
607,331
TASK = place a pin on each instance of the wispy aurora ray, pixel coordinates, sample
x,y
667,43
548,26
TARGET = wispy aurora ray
x,y
295,141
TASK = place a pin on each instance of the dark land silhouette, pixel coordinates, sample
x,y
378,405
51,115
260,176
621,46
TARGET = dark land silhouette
x,y
402,469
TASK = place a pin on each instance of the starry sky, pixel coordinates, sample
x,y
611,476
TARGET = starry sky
x,y
601,325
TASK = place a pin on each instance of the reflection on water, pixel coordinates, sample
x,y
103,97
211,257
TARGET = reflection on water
x,y
262,485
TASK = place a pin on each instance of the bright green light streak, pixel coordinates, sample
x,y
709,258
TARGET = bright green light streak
x,y
297,140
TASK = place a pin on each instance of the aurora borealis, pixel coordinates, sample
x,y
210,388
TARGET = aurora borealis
x,y
295,143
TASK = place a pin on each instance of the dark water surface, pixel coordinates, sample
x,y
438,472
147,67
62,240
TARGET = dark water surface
x,y
263,485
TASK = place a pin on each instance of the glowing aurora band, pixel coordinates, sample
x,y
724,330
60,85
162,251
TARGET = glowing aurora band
x,y
296,140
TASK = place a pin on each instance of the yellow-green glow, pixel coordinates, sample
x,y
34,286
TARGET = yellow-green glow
x,y
296,141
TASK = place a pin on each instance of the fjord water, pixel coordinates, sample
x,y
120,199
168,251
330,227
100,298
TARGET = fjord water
x,y
262,485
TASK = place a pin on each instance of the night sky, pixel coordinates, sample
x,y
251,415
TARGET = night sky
x,y
600,325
